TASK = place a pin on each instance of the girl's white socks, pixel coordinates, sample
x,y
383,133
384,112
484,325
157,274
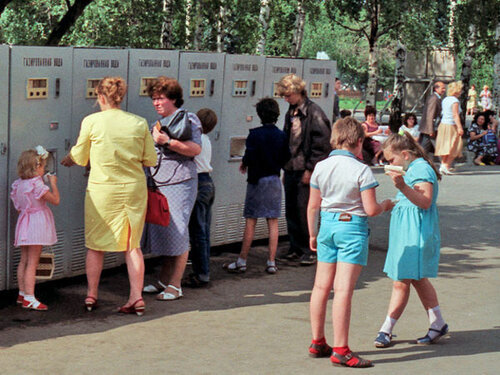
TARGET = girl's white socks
x,y
388,325
436,320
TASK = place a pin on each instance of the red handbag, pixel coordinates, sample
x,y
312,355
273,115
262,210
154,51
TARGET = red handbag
x,y
157,211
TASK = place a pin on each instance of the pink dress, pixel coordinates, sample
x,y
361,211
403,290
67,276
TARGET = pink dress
x,y
35,224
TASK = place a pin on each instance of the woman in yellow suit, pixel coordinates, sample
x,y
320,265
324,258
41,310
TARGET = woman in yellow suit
x,y
118,145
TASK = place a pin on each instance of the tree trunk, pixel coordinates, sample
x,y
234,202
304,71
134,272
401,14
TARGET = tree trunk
x,y
452,25
189,6
68,20
399,79
221,35
371,86
299,30
264,23
496,79
166,27
470,52
197,28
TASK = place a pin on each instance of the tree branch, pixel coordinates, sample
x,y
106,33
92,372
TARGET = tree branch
x,y
388,28
68,4
350,28
68,20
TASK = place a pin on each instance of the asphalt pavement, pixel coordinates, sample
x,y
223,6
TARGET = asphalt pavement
x,y
255,323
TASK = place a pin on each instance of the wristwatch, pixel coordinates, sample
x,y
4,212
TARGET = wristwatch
x,y
167,143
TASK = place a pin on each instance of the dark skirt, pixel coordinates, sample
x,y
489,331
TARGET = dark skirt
x,y
264,198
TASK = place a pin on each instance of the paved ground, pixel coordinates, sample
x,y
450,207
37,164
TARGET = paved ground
x,y
258,324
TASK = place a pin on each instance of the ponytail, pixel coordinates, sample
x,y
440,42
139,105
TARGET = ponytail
x,y
404,141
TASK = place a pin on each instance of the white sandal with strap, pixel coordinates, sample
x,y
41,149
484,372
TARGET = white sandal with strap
x,y
152,288
167,296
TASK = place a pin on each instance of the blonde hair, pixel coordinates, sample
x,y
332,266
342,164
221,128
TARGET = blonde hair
x,y
27,164
346,131
291,84
454,88
405,142
113,88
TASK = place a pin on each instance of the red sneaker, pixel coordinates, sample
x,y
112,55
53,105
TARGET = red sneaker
x,y
34,305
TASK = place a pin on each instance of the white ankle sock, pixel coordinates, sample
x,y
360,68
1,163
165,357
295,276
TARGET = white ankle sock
x,y
388,325
29,298
241,262
21,293
271,263
436,319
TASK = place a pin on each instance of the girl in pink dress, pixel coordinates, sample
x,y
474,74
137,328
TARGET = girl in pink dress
x,y
35,225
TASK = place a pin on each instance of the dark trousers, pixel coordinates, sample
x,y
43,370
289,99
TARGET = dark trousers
x,y
425,142
199,226
296,199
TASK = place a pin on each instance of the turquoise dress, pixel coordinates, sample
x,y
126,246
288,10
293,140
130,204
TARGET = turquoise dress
x,y
414,237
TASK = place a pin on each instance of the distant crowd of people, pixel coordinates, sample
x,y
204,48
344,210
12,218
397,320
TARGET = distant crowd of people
x,y
329,189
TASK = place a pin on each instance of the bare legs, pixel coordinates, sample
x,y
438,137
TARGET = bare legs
x,y
26,270
343,277
248,234
172,270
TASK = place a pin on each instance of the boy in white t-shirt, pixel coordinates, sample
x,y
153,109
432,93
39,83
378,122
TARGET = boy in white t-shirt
x,y
201,216
343,191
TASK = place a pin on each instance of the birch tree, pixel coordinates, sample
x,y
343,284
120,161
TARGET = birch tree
x,y
496,72
221,22
264,24
299,29
166,27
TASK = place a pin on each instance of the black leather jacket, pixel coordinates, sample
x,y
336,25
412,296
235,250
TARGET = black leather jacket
x,y
315,132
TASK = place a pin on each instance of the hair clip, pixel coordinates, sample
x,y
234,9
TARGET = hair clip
x,y
42,152
401,132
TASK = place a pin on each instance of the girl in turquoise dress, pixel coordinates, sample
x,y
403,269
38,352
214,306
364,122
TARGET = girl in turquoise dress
x,y
414,237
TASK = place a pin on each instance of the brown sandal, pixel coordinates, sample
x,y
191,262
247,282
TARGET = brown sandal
x,y
343,360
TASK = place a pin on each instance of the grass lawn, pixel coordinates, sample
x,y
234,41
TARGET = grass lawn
x,y
349,103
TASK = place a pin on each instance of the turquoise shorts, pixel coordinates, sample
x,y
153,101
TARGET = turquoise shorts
x,y
343,241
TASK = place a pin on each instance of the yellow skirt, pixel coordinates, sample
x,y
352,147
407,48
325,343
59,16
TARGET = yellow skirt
x,y
114,215
448,142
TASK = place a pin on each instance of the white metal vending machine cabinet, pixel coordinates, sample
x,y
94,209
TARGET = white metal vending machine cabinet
x,y
201,76
319,76
40,114
243,87
276,68
4,139
144,66
90,65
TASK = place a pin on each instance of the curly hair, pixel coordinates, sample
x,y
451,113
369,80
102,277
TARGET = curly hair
x,y
291,84
27,164
169,87
113,88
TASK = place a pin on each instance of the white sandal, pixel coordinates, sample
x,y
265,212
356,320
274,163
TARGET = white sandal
x,y
167,296
152,288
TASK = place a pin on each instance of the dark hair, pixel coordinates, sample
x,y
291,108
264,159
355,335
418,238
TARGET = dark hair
x,y
406,142
268,110
486,119
407,117
168,87
345,113
208,119
370,110
346,132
